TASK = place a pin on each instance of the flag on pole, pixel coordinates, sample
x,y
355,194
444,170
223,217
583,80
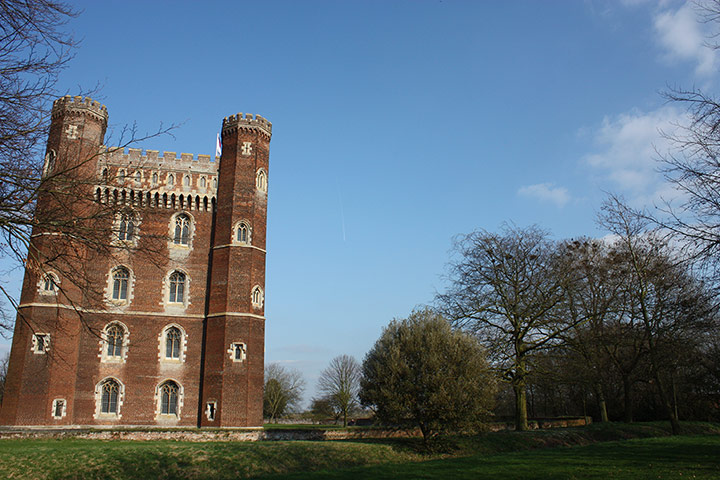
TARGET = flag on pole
x,y
218,146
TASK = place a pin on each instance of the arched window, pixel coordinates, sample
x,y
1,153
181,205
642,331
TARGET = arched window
x,y
138,178
171,180
127,228
155,179
215,182
173,342
182,229
121,276
242,234
203,182
121,175
169,396
257,296
105,175
177,287
109,396
48,284
261,180
49,163
186,180
114,337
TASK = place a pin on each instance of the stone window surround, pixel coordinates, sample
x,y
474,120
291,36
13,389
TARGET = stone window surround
x,y
162,339
36,343
121,304
53,411
41,284
158,401
103,355
233,347
98,400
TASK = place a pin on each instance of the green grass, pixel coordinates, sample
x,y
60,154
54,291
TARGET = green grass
x,y
650,454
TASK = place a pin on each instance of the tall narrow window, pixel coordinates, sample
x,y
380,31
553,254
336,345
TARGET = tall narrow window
x,y
58,410
171,180
155,179
127,228
261,180
186,180
182,230
115,335
173,341
243,233
177,287
203,182
121,175
110,392
257,296
48,283
169,398
138,178
120,283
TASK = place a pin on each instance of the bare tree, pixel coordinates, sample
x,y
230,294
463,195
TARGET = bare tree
x,y
340,383
283,390
509,289
36,198
3,374
661,294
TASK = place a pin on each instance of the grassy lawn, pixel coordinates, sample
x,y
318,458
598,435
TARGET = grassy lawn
x,y
648,454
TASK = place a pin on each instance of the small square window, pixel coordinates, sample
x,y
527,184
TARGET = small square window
x,y
237,351
41,343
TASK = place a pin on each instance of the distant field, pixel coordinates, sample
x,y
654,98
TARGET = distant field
x,y
648,453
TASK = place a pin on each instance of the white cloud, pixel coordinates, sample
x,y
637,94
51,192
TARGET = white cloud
x,y
628,147
547,192
683,37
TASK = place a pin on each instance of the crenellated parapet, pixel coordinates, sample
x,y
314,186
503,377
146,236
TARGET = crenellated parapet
x,y
247,121
80,105
153,159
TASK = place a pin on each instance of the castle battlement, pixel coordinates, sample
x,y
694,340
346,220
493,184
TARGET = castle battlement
x,y
152,159
79,104
247,120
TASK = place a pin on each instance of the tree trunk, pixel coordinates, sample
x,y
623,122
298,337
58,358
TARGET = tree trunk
x,y
669,411
601,402
521,422
627,391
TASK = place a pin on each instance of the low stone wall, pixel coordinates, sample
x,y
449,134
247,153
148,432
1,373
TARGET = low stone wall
x,y
252,435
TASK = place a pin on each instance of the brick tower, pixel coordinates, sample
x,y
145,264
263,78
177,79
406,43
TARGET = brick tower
x,y
161,321
235,325
34,380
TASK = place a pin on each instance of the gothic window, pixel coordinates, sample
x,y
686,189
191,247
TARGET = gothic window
x,y
109,396
171,180
177,287
121,276
215,182
138,178
173,342
49,163
261,180
49,284
121,175
182,229
203,182
155,179
242,233
105,175
257,296
169,397
186,181
127,227
41,343
114,338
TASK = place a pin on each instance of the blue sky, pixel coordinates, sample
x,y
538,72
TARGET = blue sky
x,y
397,125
